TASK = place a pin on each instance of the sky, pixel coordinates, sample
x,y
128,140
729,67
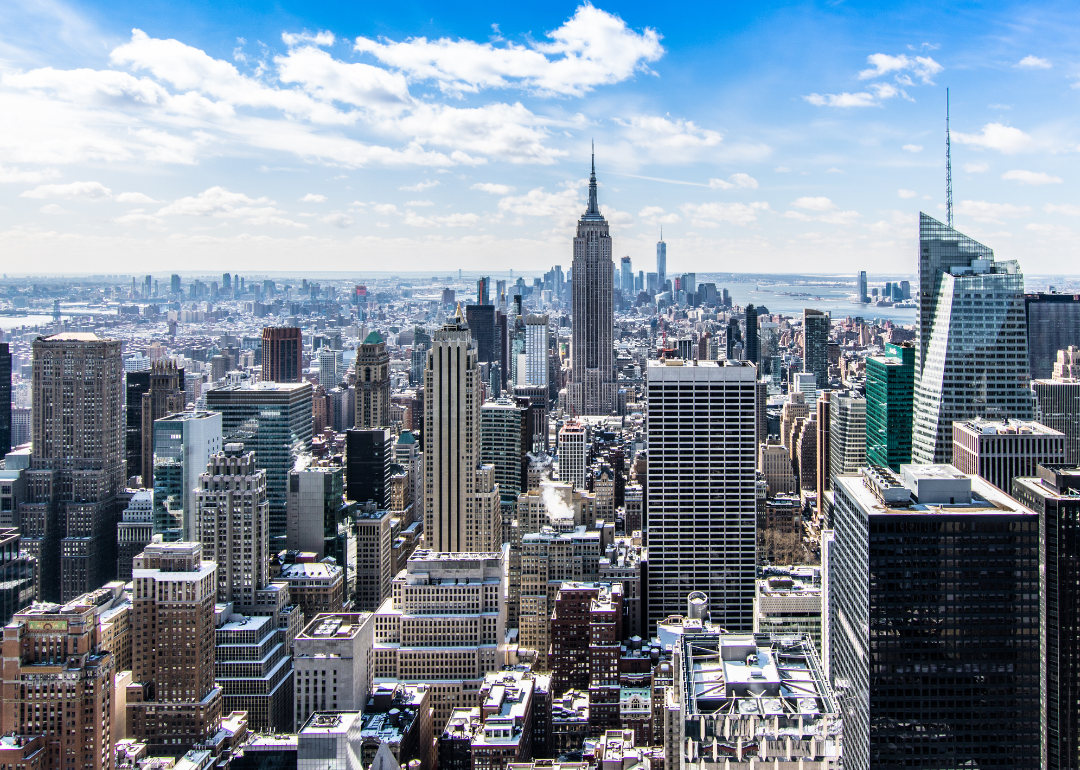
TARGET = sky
x,y
762,137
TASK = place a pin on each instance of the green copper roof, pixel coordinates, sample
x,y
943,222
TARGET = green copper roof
x,y
406,437
374,339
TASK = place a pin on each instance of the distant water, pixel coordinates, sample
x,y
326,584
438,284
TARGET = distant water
x,y
836,300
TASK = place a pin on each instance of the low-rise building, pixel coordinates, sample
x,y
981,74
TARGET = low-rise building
x,y
399,716
316,586
495,733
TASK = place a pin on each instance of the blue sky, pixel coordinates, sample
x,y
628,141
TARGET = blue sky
x,y
421,136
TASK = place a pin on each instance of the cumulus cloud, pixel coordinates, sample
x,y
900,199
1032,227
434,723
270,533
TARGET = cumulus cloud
x,y
386,209
860,99
1033,63
983,211
563,207
13,175
313,198
735,180
420,203
657,215
421,186
149,221
923,67
912,147
1031,177
450,220
321,38
995,136
658,132
826,211
906,193
590,49
90,191
219,203
814,203
1068,209
337,219
493,188
711,214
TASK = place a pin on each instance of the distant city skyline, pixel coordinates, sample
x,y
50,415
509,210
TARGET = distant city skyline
x,y
776,136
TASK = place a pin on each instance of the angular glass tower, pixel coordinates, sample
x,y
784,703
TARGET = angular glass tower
x,y
890,392
971,350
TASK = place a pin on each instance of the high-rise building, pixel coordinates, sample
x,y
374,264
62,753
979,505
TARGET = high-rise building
x,y
58,684
273,420
134,532
282,354
164,396
1054,494
373,383
5,398
701,488
933,608
847,444
627,277
823,455
752,347
503,445
174,284
369,453
375,555
816,345
1053,323
661,263
316,508
1057,406
481,321
333,663
461,500
890,394
1001,451
592,376
331,368
18,575
231,514
573,453
253,668
172,701
483,292
77,464
863,295
184,443
537,351
971,355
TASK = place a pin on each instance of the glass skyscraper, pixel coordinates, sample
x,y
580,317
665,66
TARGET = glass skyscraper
x,y
971,352
890,393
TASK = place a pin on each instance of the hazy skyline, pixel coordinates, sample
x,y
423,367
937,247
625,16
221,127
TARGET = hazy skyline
x,y
797,138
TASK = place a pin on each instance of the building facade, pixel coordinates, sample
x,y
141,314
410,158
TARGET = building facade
x,y
333,664
372,383
816,325
282,354
184,443
1001,451
890,403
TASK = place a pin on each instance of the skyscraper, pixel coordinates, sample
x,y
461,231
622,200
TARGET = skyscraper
x,y
282,354
752,348
1053,323
273,420
626,275
933,591
77,465
331,368
503,445
890,394
483,291
592,384
971,354
481,320
184,443
1057,405
701,495
816,346
661,262
847,444
461,498
164,396
368,457
863,295
5,398
373,383
536,351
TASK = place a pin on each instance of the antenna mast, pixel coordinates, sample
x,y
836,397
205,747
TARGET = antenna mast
x,y
948,165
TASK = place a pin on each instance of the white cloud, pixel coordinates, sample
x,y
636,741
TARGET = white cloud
x,y
90,191
860,99
139,218
491,187
814,204
657,132
912,147
592,48
922,67
329,80
1068,209
709,214
995,136
976,168
313,198
451,220
53,208
735,180
983,211
13,175
134,197
421,186
386,209
782,169
650,211
1031,177
1033,63
420,203
219,203
319,38
656,215
906,193
563,206
337,219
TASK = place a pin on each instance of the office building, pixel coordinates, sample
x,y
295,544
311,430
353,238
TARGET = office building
x,y
862,295
661,263
774,463
461,499
1054,494
316,586
5,398
1067,365
1053,324
273,420
815,351
788,603
398,723
368,458
57,685
444,624
1057,406
184,443
764,693
481,321
315,507
282,354
134,532
172,701
890,398
164,396
497,733
232,520
331,367
373,383
998,452
573,453
77,464
752,347
701,488
626,275
333,664
592,378
253,669
483,291
503,446
847,423
136,385
18,576
971,346
537,351
823,455
375,552
934,549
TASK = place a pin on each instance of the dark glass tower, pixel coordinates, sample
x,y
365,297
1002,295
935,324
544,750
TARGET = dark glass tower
x,y
816,346
481,321
752,348
5,398
368,457
1053,323
890,393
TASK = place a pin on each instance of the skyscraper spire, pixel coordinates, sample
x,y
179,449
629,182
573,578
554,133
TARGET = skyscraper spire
x,y
948,165
594,207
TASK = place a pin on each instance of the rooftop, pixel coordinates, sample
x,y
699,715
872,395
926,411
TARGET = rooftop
x,y
928,489
336,626
1007,427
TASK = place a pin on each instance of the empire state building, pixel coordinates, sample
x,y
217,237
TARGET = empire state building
x,y
592,384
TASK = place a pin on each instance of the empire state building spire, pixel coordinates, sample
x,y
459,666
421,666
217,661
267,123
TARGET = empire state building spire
x,y
594,207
